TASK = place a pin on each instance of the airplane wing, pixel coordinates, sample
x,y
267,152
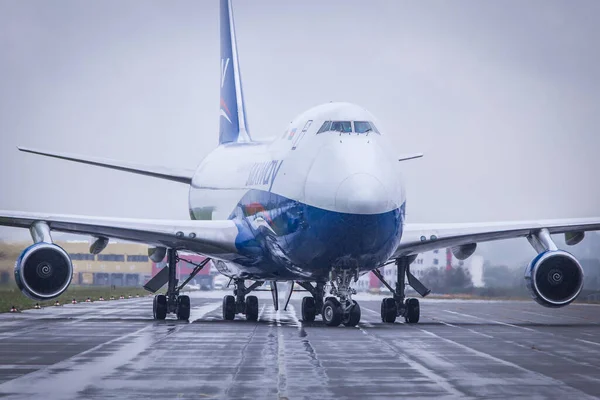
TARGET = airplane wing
x,y
172,174
419,238
211,238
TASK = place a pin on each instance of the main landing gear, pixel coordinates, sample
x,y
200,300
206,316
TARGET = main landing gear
x,y
399,306
312,305
172,301
240,303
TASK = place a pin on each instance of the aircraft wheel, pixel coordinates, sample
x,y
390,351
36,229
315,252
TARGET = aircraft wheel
x,y
183,308
332,312
309,310
159,306
353,316
388,310
251,308
413,311
229,308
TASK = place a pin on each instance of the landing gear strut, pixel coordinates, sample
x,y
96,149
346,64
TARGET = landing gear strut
x,y
346,310
240,303
172,301
399,305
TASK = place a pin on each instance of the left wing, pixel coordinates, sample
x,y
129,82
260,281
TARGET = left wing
x,y
172,174
211,238
419,238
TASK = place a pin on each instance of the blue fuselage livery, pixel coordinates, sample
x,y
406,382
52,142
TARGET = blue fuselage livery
x,y
307,205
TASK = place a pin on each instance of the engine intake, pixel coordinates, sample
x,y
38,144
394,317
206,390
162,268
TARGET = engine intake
x,y
554,278
43,271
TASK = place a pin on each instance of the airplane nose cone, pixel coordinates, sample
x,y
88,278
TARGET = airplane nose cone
x,y
361,193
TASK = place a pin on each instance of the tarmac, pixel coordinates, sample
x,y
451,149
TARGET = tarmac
x,y
459,349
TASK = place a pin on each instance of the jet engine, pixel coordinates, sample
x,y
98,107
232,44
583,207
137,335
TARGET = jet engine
x,y
43,271
554,278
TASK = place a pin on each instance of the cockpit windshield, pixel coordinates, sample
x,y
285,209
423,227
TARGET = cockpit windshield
x,y
364,127
341,126
348,127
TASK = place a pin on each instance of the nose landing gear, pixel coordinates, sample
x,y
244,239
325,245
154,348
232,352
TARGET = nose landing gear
x,y
345,311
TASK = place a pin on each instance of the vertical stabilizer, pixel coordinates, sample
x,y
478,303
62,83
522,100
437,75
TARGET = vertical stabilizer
x,y
233,126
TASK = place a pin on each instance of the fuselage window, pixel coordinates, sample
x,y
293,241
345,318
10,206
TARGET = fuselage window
x,y
364,127
326,126
341,126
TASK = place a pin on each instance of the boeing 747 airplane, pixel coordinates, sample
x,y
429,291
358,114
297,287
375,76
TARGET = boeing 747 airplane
x,y
299,209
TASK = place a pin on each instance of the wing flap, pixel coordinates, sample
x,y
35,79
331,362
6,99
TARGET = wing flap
x,y
172,174
419,238
212,238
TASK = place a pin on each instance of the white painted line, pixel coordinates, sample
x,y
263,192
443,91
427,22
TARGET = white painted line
x,y
420,368
491,320
588,342
537,377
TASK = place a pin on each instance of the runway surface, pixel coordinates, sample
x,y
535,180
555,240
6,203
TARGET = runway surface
x,y
460,349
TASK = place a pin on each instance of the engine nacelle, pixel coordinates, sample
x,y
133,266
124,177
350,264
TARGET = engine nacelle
x,y
554,278
43,271
464,251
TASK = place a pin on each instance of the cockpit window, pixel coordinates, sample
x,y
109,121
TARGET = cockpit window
x,y
364,127
347,127
326,126
341,126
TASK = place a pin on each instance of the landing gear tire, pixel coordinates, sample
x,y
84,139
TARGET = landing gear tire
x,y
229,308
183,308
413,311
332,312
309,310
159,306
352,318
251,308
389,310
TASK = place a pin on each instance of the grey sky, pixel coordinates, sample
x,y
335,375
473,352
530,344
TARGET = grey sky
x,y
503,97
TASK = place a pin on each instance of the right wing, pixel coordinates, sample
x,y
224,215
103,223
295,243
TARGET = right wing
x,y
172,174
211,238
420,238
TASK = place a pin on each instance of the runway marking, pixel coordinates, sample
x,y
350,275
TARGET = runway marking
x,y
462,327
420,368
262,310
62,378
550,315
491,320
281,367
589,342
489,357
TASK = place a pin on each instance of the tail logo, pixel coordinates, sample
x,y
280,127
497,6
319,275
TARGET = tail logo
x,y
224,109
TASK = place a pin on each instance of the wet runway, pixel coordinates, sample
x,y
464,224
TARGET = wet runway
x,y
460,349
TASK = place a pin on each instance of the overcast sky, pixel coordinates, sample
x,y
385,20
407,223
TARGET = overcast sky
x,y
502,97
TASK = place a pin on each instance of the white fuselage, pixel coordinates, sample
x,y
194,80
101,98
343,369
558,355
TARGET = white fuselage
x,y
340,174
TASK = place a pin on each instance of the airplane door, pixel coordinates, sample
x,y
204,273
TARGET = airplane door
x,y
301,135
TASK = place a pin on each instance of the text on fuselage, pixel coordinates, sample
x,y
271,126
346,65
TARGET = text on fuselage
x,y
263,173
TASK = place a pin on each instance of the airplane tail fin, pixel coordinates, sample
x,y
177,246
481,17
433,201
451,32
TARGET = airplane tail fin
x,y
233,126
